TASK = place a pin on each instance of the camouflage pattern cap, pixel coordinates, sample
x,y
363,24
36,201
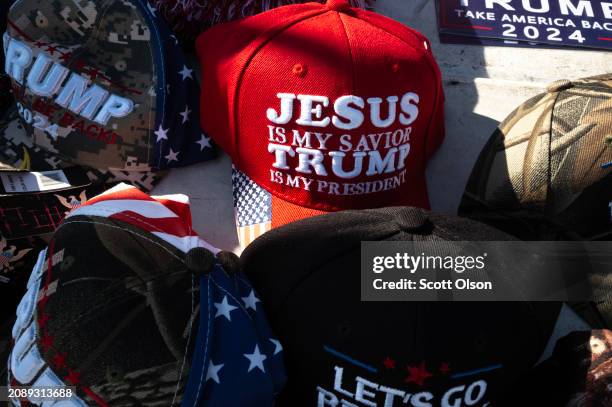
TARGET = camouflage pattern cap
x,y
103,84
546,173
19,152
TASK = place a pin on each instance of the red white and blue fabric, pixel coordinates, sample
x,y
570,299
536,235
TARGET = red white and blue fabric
x,y
235,347
167,217
237,361
252,208
177,137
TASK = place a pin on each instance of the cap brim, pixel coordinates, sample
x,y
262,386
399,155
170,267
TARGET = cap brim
x,y
257,210
19,152
16,147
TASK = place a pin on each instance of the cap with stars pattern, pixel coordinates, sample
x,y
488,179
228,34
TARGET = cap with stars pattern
x,y
132,308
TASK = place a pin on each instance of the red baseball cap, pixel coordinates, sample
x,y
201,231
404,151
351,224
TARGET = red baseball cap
x,y
321,107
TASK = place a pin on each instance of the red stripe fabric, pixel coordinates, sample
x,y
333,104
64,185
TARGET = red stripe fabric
x,y
171,226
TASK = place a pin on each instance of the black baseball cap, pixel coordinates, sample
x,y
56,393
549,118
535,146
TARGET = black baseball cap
x,y
339,349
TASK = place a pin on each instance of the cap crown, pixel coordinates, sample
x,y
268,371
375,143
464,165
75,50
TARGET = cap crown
x,y
551,157
100,84
325,106
434,352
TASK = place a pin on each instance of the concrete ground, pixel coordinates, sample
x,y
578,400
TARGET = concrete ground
x,y
482,86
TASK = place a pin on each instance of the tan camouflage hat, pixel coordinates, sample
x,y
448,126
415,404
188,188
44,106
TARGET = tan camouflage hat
x,y
103,84
546,173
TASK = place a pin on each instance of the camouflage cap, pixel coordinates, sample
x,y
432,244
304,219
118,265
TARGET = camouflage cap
x,y
103,84
18,151
546,173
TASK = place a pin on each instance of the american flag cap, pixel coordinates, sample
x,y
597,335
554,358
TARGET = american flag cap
x,y
257,211
116,308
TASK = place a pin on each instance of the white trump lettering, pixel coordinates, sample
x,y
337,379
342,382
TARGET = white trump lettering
x,y
46,78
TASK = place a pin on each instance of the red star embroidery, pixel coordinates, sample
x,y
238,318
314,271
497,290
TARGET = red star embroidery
x,y
66,56
39,44
389,363
59,360
93,73
73,377
444,368
42,303
46,342
42,321
418,374
51,49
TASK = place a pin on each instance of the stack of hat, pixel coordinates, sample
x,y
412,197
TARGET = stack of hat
x,y
102,94
330,114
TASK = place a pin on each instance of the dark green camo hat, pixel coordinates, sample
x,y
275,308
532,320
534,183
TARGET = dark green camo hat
x,y
103,84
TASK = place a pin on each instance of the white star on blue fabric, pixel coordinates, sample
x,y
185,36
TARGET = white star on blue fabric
x,y
185,114
256,360
251,301
213,372
161,133
277,346
204,142
172,156
152,9
186,72
224,308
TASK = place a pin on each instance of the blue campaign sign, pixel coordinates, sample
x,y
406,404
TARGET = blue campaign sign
x,y
569,23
